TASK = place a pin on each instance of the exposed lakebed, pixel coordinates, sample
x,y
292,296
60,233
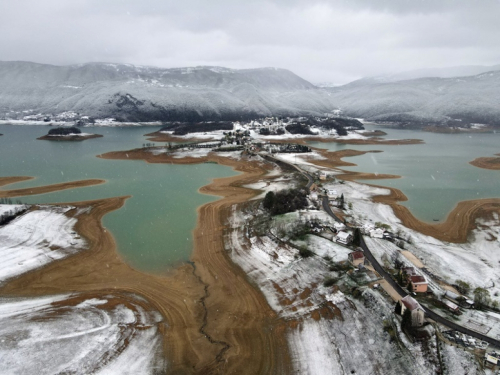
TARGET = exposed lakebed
x,y
153,229
436,175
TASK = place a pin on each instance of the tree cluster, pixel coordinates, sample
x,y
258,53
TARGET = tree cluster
x,y
64,131
285,201
198,127
299,129
8,216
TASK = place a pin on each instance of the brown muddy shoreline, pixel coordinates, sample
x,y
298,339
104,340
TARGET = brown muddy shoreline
x,y
458,224
42,189
492,163
215,321
70,138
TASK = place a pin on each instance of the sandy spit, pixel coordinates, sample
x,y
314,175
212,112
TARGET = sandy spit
x,y
12,180
42,189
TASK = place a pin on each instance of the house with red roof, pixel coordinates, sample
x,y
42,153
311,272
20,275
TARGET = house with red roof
x,y
417,312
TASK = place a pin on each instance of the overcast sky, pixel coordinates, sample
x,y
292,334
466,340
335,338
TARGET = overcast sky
x,y
322,41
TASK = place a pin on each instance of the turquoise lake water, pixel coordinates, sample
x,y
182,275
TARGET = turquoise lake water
x,y
154,228
435,175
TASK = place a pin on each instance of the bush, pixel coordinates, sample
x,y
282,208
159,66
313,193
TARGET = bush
x,y
305,252
329,281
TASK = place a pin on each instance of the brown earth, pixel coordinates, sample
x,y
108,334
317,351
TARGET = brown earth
x,y
12,180
215,321
42,189
69,138
460,221
487,163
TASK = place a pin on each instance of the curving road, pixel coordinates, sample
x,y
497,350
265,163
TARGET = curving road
x,y
381,271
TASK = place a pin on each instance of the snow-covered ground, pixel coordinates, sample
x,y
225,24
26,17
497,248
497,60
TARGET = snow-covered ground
x,y
76,335
11,209
475,261
35,239
329,332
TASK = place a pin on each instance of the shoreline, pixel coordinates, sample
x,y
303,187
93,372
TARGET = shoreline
x,y
164,137
42,189
14,179
491,163
215,321
69,138
450,230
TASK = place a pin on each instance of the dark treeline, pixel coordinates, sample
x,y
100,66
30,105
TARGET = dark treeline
x,y
299,129
64,131
285,201
185,128
8,216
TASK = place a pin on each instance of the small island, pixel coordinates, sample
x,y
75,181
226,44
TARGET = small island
x,y
492,163
68,134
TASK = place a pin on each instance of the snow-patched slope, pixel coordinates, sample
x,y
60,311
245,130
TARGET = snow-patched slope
x,y
330,333
35,239
148,94
71,334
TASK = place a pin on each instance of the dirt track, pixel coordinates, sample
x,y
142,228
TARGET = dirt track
x,y
215,321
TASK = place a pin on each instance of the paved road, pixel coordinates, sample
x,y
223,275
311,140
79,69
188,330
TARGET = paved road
x,y
376,265
430,314
328,209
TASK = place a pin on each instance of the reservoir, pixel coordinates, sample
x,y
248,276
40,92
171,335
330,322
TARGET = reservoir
x,y
153,229
435,175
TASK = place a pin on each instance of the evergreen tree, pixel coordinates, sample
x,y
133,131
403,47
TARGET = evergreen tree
x,y
406,323
397,309
356,239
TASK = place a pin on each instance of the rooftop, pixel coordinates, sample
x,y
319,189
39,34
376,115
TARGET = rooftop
x,y
417,279
410,303
357,255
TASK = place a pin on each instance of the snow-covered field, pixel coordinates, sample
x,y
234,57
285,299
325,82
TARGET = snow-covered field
x,y
476,261
35,239
78,335
329,332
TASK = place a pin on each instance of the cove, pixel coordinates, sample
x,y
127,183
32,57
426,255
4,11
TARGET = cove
x,y
435,175
153,229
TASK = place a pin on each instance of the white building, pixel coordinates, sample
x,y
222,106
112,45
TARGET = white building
x,y
344,238
377,233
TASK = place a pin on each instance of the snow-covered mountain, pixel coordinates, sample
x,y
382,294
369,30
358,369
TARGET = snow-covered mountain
x,y
472,99
135,93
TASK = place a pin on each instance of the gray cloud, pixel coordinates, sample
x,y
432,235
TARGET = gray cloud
x,y
334,41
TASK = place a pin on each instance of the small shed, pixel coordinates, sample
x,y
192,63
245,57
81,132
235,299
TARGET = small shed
x,y
451,306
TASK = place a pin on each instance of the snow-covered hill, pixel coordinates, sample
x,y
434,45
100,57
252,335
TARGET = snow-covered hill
x,y
472,99
135,93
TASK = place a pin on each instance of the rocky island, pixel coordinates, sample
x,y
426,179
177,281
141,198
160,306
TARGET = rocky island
x,y
68,134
